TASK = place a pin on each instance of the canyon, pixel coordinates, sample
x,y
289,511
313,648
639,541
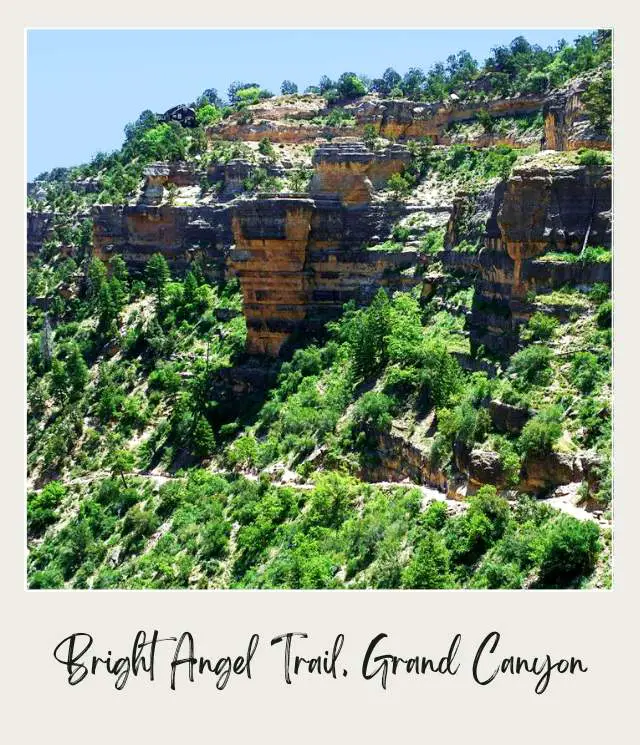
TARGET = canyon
x,y
299,257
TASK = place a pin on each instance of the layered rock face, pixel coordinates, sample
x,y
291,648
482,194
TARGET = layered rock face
x,y
566,125
543,206
299,260
404,120
269,257
180,234
393,118
39,226
351,171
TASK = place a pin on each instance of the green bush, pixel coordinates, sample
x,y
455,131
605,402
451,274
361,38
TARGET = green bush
x,y
541,432
585,371
433,242
497,575
265,147
509,460
42,506
207,115
541,327
531,366
588,157
332,498
399,185
428,568
568,551
604,314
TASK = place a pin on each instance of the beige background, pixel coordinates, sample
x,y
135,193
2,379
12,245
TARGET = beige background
x,y
599,627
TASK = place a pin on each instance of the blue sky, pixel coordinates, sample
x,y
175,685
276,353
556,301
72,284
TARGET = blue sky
x,y
84,86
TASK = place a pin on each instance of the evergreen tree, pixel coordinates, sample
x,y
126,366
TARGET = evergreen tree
x,y
288,88
157,275
428,568
77,371
59,382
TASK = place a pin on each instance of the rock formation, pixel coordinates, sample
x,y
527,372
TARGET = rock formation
x,y
351,171
300,259
566,125
544,205
181,234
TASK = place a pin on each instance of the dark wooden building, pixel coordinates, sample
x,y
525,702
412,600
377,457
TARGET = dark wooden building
x,y
182,114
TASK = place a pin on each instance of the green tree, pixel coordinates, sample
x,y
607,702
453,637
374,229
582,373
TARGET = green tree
x,y
59,384
540,433
370,136
350,86
77,371
568,550
207,115
288,88
202,439
428,568
399,185
157,275
42,506
265,147
597,102
122,461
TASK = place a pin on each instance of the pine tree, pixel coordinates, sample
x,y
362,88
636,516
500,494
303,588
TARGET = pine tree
x,y
59,380
77,372
157,275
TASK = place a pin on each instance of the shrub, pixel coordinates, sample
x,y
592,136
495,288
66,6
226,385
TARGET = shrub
x,y
497,575
47,579
299,180
541,327
428,568
487,502
433,241
243,452
372,415
42,506
331,500
486,120
202,441
399,185
532,366
585,371
600,292
568,550
540,433
509,460
370,136
588,157
265,147
604,314
207,115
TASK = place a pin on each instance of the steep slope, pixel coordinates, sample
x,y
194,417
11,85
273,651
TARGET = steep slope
x,y
327,358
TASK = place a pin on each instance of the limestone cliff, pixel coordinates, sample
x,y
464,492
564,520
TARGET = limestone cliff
x,y
351,171
300,259
545,205
180,234
566,124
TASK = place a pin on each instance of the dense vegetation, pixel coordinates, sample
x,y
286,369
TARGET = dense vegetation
x,y
144,471
147,477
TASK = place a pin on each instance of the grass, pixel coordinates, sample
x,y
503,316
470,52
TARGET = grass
x,y
591,255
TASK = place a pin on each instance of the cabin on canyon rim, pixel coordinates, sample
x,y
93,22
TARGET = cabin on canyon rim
x,y
182,114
